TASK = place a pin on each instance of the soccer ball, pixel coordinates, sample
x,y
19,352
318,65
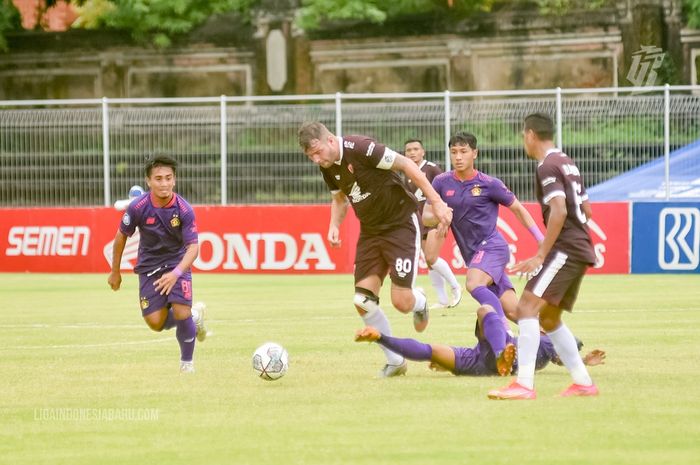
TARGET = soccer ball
x,y
270,361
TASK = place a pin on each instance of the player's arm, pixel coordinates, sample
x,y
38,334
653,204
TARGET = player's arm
x,y
339,208
587,209
555,223
440,209
429,218
167,281
115,277
526,220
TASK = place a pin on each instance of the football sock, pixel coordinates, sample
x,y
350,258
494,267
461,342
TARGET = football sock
x,y
528,344
494,332
565,345
409,348
420,300
439,285
485,296
186,331
445,271
378,319
169,320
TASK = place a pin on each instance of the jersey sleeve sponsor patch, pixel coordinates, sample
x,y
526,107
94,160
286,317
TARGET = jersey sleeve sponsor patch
x,y
387,160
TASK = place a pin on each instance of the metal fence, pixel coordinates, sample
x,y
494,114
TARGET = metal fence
x,y
237,150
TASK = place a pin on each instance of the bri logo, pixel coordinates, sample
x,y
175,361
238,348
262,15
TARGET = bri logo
x,y
679,238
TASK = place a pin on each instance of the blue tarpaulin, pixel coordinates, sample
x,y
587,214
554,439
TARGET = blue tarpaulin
x,y
647,182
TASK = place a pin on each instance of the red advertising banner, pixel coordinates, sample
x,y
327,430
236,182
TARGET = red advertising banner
x,y
252,239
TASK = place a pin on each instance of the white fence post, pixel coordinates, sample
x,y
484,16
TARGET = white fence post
x,y
448,131
667,142
338,115
224,150
105,151
559,120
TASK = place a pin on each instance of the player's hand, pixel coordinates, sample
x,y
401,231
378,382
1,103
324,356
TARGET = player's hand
x,y
165,283
443,213
594,357
334,236
529,267
115,280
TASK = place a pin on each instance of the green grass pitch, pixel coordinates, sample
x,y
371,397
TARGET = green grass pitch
x,y
70,344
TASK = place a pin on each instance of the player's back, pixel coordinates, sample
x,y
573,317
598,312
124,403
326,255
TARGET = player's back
x,y
558,176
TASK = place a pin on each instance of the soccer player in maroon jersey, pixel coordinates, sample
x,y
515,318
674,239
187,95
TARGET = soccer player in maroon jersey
x,y
439,270
167,248
556,271
363,172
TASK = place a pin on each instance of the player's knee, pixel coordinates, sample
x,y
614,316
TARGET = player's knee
x,y
549,322
430,259
365,301
402,301
484,310
154,324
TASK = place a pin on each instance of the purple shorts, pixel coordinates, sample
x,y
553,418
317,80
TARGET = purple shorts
x,y
492,260
151,300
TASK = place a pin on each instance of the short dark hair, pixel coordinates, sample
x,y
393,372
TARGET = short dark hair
x,y
159,160
541,124
309,131
463,138
411,140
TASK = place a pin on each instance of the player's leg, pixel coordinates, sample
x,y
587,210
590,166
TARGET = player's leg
x,y
186,334
478,282
491,329
180,298
563,291
366,301
509,302
155,310
439,270
529,306
401,249
439,354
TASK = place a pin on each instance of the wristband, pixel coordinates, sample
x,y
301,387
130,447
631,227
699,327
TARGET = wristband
x,y
536,233
177,272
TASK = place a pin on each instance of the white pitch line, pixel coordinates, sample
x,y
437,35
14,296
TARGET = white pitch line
x,y
88,346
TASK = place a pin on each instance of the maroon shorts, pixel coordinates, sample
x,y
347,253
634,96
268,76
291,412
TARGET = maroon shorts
x,y
558,280
394,252
151,300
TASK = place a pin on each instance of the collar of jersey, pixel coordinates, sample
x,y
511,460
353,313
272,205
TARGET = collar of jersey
x,y
476,173
340,150
167,205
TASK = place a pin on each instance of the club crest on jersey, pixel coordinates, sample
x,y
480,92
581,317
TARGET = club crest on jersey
x,y
476,191
175,221
144,303
351,169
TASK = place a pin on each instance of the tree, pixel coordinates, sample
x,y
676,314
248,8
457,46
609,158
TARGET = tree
x,y
692,12
314,13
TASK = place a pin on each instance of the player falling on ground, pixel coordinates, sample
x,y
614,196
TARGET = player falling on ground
x,y
168,246
474,198
438,269
480,360
558,268
362,171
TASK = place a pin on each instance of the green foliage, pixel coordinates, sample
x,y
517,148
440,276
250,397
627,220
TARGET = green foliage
x,y
315,12
692,12
158,21
562,7
9,20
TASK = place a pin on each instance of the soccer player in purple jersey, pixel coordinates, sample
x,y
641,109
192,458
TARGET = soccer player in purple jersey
x,y
474,198
167,249
479,360
557,270
363,172
438,269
